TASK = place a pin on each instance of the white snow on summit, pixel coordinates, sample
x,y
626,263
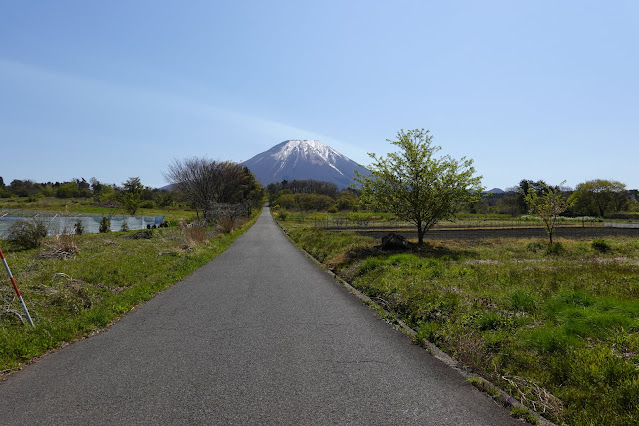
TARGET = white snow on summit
x,y
303,159
309,150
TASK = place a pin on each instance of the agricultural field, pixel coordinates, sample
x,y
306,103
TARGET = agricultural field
x,y
555,326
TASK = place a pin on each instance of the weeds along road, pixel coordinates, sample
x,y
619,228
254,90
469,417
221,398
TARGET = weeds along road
x,y
260,335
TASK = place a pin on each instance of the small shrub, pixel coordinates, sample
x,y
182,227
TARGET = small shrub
x,y
550,249
61,246
601,245
26,235
78,227
554,249
535,247
225,224
125,226
283,214
105,225
194,235
146,234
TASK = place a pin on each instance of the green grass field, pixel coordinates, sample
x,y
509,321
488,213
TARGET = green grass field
x,y
555,327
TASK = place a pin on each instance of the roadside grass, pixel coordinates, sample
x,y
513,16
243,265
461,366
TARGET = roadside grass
x,y
73,297
558,329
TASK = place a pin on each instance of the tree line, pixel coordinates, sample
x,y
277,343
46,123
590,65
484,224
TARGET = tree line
x,y
213,189
310,194
130,195
594,198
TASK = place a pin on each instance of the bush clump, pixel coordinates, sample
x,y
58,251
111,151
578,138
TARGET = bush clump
x,y
61,246
601,245
283,214
78,227
24,234
226,225
555,249
535,246
105,225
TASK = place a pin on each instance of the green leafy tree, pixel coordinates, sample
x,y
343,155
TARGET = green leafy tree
x,y
105,225
47,190
252,190
23,188
97,187
67,190
547,204
526,185
133,185
165,199
416,186
600,197
347,200
131,202
132,196
84,188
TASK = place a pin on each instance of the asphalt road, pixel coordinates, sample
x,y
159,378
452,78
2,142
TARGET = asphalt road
x,y
260,335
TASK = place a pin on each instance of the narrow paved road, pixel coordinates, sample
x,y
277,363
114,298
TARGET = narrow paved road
x,y
260,335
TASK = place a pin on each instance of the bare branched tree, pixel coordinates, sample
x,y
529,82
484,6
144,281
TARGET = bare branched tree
x,y
207,183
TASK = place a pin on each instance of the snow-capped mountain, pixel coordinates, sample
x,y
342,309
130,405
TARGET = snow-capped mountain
x,y
303,159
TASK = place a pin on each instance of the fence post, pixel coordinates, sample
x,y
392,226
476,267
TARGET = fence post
x,y
15,287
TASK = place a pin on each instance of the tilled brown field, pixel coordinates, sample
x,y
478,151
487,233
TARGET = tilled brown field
x,y
477,234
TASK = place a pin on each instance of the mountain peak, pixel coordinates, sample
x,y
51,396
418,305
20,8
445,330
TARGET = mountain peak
x,y
305,147
303,159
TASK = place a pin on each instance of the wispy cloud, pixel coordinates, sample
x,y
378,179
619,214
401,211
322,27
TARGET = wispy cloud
x,y
37,81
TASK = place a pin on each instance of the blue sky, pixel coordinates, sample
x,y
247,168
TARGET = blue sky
x,y
528,89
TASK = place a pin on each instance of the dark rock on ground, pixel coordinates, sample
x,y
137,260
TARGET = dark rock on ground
x,y
145,234
394,241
